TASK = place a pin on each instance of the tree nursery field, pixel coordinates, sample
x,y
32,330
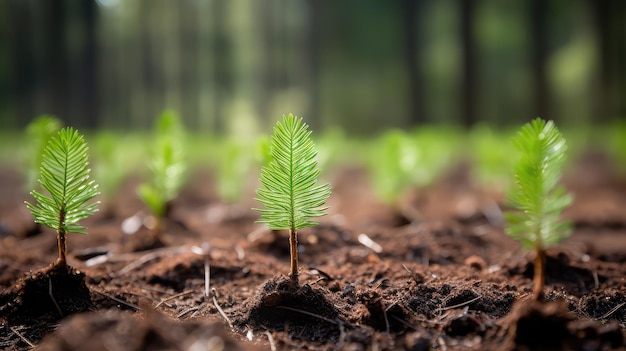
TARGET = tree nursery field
x,y
426,265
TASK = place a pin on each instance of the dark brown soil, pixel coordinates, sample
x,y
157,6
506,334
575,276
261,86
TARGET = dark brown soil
x,y
437,273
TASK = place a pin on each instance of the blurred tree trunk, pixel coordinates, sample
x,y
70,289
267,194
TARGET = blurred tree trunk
x,y
204,63
54,60
88,96
187,40
469,64
265,93
148,92
537,16
222,67
313,47
6,115
22,72
412,10
611,41
170,50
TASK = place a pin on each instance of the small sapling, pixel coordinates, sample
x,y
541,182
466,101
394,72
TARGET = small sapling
x,y
64,173
537,198
289,189
167,167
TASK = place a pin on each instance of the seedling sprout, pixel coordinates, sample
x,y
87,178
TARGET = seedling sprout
x,y
536,197
64,173
289,189
167,167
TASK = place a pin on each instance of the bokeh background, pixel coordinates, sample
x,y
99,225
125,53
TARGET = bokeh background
x,y
363,65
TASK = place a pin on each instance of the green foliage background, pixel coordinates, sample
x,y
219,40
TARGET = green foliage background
x,y
362,66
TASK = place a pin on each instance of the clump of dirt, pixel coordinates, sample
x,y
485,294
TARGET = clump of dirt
x,y
37,302
540,325
551,326
48,294
123,331
302,311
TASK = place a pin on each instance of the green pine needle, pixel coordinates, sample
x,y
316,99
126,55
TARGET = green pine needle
x,y
537,197
65,175
289,191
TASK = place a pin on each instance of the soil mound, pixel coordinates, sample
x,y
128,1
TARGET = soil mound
x,y
303,312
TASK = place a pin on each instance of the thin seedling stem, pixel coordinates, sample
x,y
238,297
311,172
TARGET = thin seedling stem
x,y
539,275
62,246
293,250
61,239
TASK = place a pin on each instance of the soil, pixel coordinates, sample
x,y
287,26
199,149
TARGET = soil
x,y
436,271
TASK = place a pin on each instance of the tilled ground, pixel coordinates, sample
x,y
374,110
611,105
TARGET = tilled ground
x,y
434,272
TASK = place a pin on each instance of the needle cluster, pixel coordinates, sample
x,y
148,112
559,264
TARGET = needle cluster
x,y
289,191
64,173
537,197
167,165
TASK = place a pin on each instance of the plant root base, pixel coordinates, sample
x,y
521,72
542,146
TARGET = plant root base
x,y
30,299
302,311
551,326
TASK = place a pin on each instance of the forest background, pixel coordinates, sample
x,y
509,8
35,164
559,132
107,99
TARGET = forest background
x,y
235,66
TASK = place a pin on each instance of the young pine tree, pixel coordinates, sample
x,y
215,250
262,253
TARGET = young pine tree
x,y
537,198
289,189
64,173
167,168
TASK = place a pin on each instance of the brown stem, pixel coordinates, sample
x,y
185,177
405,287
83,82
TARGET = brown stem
x,y
61,239
293,250
155,231
62,246
539,274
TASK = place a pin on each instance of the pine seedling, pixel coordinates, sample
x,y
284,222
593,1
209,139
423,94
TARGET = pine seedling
x,y
167,167
289,189
537,198
64,173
